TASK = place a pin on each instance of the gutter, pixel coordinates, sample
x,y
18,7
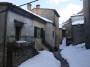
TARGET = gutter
x,y
4,41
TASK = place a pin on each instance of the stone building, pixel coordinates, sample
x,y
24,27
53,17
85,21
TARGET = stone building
x,y
86,7
18,25
78,30
68,27
75,31
44,33
60,35
67,31
50,14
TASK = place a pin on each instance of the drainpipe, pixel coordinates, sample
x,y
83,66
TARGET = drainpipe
x,y
4,41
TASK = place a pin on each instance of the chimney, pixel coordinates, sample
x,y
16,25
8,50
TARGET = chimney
x,y
38,6
29,7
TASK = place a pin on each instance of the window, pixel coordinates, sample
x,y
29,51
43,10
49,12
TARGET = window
x,y
18,27
37,32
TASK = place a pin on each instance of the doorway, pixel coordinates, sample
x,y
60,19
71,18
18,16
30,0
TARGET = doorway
x,y
18,28
17,33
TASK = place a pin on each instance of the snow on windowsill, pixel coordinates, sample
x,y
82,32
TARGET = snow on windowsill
x,y
21,41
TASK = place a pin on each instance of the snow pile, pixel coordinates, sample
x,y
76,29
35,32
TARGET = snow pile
x,y
43,59
77,56
63,45
21,41
78,22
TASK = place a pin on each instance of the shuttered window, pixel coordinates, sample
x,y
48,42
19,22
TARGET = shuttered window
x,y
37,32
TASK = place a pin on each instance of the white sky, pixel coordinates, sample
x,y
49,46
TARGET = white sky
x,y
68,11
65,8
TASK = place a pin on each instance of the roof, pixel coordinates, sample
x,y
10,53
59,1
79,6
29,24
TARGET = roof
x,y
79,14
56,12
23,12
47,20
78,22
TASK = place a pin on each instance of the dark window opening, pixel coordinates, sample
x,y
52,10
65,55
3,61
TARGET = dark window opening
x,y
37,32
17,33
43,35
18,27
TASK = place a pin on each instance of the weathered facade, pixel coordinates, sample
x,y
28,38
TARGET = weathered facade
x,y
2,37
86,7
68,27
13,25
78,34
60,35
20,25
67,31
52,15
78,30
45,35
50,34
75,31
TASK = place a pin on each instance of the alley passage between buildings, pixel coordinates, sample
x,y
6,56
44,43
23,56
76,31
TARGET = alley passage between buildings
x,y
63,62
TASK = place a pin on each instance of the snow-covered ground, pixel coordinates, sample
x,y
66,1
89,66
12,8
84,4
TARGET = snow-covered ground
x,y
43,59
63,45
76,56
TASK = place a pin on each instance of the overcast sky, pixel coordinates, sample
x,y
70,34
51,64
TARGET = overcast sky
x,y
65,8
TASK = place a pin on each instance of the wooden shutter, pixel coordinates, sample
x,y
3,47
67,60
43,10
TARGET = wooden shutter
x,y
42,32
35,32
43,35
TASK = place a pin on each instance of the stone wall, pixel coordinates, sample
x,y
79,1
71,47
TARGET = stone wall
x,y
78,34
38,41
47,13
68,27
86,5
67,31
18,54
60,35
50,34
3,24
27,29
51,15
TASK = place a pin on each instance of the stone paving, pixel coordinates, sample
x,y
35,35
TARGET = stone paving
x,y
57,55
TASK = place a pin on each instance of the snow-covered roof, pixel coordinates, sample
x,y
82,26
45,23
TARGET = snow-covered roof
x,y
25,12
78,14
78,22
45,19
